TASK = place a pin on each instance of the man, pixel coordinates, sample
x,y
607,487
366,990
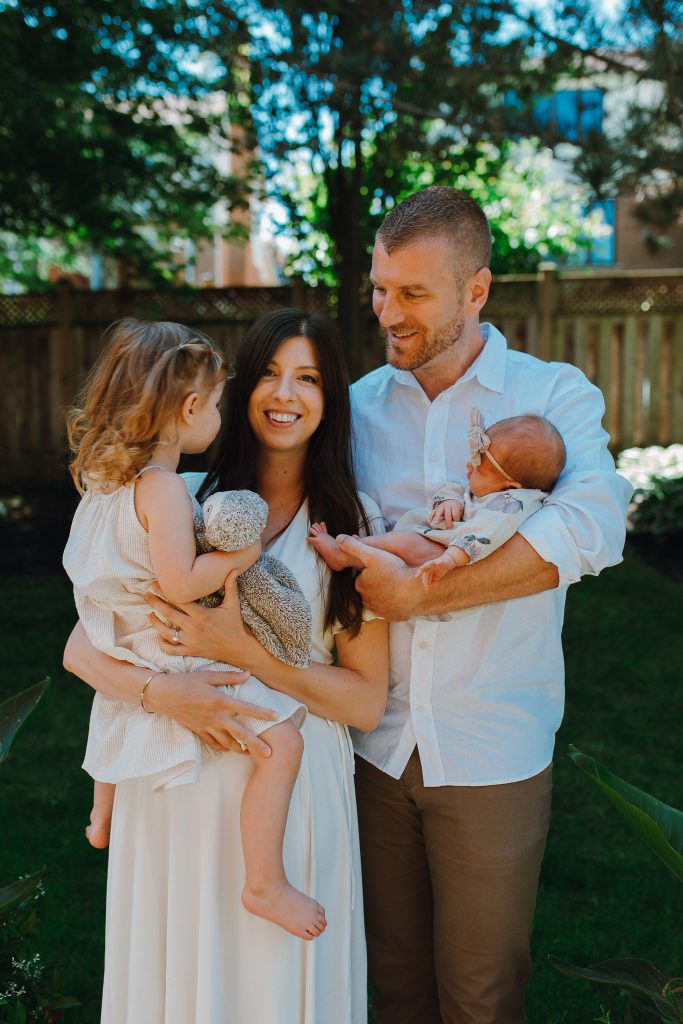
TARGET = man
x,y
454,785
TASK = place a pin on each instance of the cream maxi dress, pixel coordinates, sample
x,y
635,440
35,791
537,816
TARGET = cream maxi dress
x,y
180,948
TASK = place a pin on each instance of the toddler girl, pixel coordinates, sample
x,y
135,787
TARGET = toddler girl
x,y
522,459
153,395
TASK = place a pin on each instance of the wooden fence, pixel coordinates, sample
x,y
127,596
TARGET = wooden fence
x,y
624,329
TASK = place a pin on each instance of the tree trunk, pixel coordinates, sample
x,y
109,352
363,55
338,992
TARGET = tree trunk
x,y
344,203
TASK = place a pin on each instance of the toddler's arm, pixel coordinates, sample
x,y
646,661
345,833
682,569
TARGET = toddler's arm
x,y
164,509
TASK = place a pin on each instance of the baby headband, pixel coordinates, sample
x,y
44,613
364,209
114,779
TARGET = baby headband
x,y
480,442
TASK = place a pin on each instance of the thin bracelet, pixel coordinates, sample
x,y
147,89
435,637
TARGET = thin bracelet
x,y
148,680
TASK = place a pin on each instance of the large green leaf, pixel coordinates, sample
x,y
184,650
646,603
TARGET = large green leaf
x,y
656,999
12,895
659,826
15,710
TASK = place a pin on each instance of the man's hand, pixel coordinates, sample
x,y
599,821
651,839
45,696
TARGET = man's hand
x,y
385,583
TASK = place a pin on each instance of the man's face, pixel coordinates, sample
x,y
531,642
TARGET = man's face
x,y
418,300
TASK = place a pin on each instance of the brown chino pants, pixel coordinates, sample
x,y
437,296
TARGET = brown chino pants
x,y
450,875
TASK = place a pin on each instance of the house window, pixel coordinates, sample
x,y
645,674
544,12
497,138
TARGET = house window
x,y
602,250
573,113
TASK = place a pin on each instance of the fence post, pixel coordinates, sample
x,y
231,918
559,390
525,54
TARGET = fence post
x,y
547,304
61,369
298,293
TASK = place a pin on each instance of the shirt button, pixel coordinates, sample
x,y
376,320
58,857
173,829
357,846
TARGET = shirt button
x,y
423,645
435,457
420,707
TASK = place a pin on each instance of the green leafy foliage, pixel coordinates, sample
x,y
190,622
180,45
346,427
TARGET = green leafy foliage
x,y
15,710
656,824
659,509
653,998
27,994
353,113
109,137
657,477
11,896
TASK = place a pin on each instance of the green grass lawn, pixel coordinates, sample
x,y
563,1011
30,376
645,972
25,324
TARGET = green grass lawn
x,y
601,895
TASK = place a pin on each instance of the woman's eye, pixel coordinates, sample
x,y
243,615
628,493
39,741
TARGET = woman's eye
x,y
268,372
309,378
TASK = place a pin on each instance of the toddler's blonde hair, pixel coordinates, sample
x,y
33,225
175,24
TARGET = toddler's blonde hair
x,y
140,380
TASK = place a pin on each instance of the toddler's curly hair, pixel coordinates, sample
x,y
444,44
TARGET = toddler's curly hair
x,y
142,377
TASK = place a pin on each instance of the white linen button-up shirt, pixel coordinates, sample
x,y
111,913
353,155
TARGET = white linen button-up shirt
x,y
481,691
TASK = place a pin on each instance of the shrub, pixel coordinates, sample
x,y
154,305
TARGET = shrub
x,y
657,476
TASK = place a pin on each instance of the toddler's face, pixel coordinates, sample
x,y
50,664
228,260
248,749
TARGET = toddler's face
x,y
207,421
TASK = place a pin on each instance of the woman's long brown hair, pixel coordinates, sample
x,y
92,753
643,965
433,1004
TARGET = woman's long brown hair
x,y
329,479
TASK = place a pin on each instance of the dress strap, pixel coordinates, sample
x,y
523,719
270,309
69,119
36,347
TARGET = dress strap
x,y
151,466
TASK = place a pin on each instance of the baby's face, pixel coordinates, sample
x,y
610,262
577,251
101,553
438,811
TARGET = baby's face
x,y
486,479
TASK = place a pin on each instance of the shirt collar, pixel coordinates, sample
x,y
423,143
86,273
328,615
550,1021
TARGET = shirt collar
x,y
488,367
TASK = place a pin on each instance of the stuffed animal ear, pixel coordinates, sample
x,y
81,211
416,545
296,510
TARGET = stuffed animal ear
x,y
234,519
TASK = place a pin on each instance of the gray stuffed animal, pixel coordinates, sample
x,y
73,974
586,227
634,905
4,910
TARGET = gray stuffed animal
x,y
272,602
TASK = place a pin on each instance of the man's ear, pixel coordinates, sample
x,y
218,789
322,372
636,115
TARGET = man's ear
x,y
189,408
477,290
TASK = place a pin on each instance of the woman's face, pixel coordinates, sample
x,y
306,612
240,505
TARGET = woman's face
x,y
286,406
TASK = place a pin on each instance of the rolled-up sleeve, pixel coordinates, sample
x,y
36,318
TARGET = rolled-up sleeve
x,y
581,527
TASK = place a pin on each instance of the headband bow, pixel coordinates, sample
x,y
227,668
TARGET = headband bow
x,y
477,438
480,442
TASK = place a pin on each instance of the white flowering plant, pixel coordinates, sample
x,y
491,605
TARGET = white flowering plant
x,y
657,476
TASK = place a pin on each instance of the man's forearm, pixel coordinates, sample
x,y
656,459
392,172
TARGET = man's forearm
x,y
392,590
514,570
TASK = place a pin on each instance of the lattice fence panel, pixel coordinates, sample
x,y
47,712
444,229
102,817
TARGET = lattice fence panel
x,y
27,310
626,295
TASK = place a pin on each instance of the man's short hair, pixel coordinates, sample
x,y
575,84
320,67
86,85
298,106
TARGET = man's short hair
x,y
441,212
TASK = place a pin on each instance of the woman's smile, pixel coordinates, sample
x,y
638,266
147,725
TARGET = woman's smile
x,y
281,419
287,405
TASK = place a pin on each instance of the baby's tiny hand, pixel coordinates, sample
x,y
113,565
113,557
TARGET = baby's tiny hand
x,y
450,511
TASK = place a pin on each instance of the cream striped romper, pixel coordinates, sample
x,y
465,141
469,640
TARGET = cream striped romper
x,y
107,559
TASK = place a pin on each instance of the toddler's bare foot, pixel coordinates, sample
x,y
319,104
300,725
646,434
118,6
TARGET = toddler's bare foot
x,y
286,906
97,832
328,548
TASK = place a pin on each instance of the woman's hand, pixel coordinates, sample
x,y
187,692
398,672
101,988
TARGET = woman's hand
x,y
191,698
214,633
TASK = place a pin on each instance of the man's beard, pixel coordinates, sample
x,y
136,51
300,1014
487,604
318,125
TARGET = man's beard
x,y
430,345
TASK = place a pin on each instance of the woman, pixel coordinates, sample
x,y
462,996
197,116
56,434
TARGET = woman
x,y
180,949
